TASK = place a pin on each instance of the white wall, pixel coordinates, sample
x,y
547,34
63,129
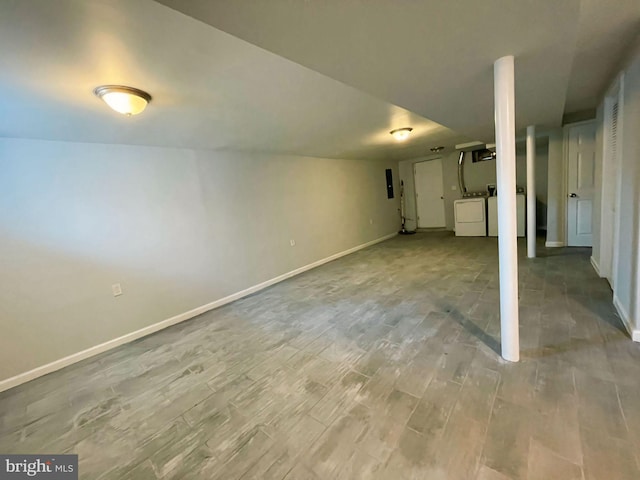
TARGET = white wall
x,y
627,279
477,176
626,282
177,228
556,202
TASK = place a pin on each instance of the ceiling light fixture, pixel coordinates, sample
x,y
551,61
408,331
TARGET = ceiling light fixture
x,y
401,134
436,149
126,100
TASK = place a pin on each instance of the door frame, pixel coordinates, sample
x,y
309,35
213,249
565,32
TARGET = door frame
x,y
415,191
565,173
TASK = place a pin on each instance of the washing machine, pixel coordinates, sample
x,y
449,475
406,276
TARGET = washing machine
x,y
470,217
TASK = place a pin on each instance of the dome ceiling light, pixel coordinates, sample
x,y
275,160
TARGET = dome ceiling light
x,y
401,134
125,100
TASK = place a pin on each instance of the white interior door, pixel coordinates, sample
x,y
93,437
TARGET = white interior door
x,y
429,194
580,184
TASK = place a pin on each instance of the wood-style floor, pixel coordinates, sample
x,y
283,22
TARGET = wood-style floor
x,y
379,365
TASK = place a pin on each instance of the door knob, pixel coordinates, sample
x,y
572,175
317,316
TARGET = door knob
x,y
573,195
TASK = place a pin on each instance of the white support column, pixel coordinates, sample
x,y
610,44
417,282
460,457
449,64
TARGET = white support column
x,y
503,73
531,191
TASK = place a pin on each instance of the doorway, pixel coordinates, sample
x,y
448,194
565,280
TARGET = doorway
x,y
581,163
429,194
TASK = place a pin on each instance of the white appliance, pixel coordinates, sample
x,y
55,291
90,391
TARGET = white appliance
x,y
470,217
493,214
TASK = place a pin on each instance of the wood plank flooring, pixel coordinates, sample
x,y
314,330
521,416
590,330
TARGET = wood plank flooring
x,y
380,365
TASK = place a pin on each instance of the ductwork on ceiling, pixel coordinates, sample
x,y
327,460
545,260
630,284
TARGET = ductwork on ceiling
x,y
479,152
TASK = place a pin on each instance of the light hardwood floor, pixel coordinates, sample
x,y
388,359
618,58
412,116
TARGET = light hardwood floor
x,y
379,365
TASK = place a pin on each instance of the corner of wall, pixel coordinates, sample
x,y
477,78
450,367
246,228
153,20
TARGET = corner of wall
x,y
594,264
629,323
597,198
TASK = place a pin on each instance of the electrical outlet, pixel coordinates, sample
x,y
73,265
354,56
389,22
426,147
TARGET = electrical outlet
x,y
116,289
453,187
371,221
292,242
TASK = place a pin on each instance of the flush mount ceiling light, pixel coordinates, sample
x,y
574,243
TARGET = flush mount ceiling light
x,y
126,100
401,134
436,149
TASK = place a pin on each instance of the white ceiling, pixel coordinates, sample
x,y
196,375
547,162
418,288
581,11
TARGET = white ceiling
x,y
606,30
341,74
435,57
210,89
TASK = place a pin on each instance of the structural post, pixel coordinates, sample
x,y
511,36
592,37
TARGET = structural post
x,y
531,191
504,94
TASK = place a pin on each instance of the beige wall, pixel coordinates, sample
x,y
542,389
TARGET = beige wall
x,y
176,228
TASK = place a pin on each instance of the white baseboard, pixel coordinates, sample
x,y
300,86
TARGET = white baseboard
x,y
553,244
143,332
628,324
595,266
